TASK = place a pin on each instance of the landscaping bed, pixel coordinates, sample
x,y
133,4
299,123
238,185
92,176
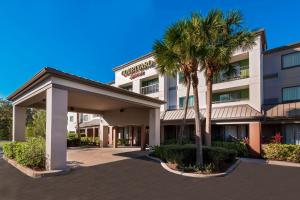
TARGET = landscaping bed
x,y
281,152
183,158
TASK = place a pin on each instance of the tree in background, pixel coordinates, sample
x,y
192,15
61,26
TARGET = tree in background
x,y
5,119
36,127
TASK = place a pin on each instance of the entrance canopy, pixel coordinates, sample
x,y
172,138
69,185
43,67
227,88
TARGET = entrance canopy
x,y
58,92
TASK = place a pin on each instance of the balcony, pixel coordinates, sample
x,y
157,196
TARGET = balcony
x,y
241,73
150,89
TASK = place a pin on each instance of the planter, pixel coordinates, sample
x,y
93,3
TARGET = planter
x,y
34,173
195,175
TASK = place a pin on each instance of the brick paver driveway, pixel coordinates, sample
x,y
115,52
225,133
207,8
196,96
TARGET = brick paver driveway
x,y
139,178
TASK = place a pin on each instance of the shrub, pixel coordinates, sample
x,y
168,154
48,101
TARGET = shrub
x,y
184,156
239,146
282,152
176,141
72,140
9,149
30,153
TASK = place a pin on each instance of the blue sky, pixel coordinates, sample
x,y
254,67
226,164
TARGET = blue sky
x,y
89,38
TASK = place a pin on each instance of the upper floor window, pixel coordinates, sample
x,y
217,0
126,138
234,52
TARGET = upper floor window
x,y
290,60
85,117
180,77
71,118
190,102
237,70
150,86
230,96
291,93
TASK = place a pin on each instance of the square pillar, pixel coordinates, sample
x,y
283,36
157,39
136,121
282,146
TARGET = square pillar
x,y
154,127
103,135
115,137
255,138
56,128
110,135
19,123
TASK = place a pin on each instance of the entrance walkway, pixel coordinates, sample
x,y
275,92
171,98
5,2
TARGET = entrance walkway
x,y
95,156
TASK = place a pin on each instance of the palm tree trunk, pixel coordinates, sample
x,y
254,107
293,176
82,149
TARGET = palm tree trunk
x,y
198,139
185,110
209,84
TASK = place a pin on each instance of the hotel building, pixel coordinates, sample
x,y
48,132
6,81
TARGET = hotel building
x,y
260,98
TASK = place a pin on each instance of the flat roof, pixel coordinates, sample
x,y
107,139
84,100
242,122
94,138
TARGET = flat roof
x,y
281,48
48,72
150,54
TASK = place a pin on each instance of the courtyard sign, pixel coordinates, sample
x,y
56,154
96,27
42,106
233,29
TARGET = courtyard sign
x,y
138,70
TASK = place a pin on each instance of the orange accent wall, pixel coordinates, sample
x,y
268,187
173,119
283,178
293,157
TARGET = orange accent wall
x,y
255,138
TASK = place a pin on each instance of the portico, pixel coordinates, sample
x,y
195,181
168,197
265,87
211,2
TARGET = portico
x,y
58,93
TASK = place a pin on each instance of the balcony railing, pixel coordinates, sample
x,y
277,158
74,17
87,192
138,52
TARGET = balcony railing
x,y
150,89
240,74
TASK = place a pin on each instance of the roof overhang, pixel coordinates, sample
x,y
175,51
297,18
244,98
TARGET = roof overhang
x,y
51,72
84,95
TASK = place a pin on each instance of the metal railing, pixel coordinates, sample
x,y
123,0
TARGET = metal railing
x,y
243,73
150,89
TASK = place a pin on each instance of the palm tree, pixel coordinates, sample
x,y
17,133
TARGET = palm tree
x,y
177,51
220,35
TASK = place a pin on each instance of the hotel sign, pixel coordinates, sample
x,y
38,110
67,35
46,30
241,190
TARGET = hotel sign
x,y
138,70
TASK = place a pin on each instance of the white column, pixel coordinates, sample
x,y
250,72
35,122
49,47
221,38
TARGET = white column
x,y
19,123
101,135
56,128
154,127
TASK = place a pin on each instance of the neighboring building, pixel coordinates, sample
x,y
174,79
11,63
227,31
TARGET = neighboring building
x,y
240,99
282,93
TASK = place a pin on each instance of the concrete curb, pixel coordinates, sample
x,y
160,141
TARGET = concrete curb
x,y
194,175
33,173
270,162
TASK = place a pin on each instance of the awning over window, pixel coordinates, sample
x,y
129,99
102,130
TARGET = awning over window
x,y
239,112
286,110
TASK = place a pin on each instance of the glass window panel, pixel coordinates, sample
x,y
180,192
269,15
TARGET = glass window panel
x,y
291,60
290,94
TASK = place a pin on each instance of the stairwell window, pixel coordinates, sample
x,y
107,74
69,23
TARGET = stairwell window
x,y
291,93
290,60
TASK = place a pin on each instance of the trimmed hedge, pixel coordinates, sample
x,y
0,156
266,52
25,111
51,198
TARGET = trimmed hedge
x,y
30,153
282,152
240,147
185,155
72,140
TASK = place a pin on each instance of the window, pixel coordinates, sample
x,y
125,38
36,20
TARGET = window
x,y
182,101
292,134
150,86
291,93
85,117
290,60
71,118
237,70
180,77
230,96
96,115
